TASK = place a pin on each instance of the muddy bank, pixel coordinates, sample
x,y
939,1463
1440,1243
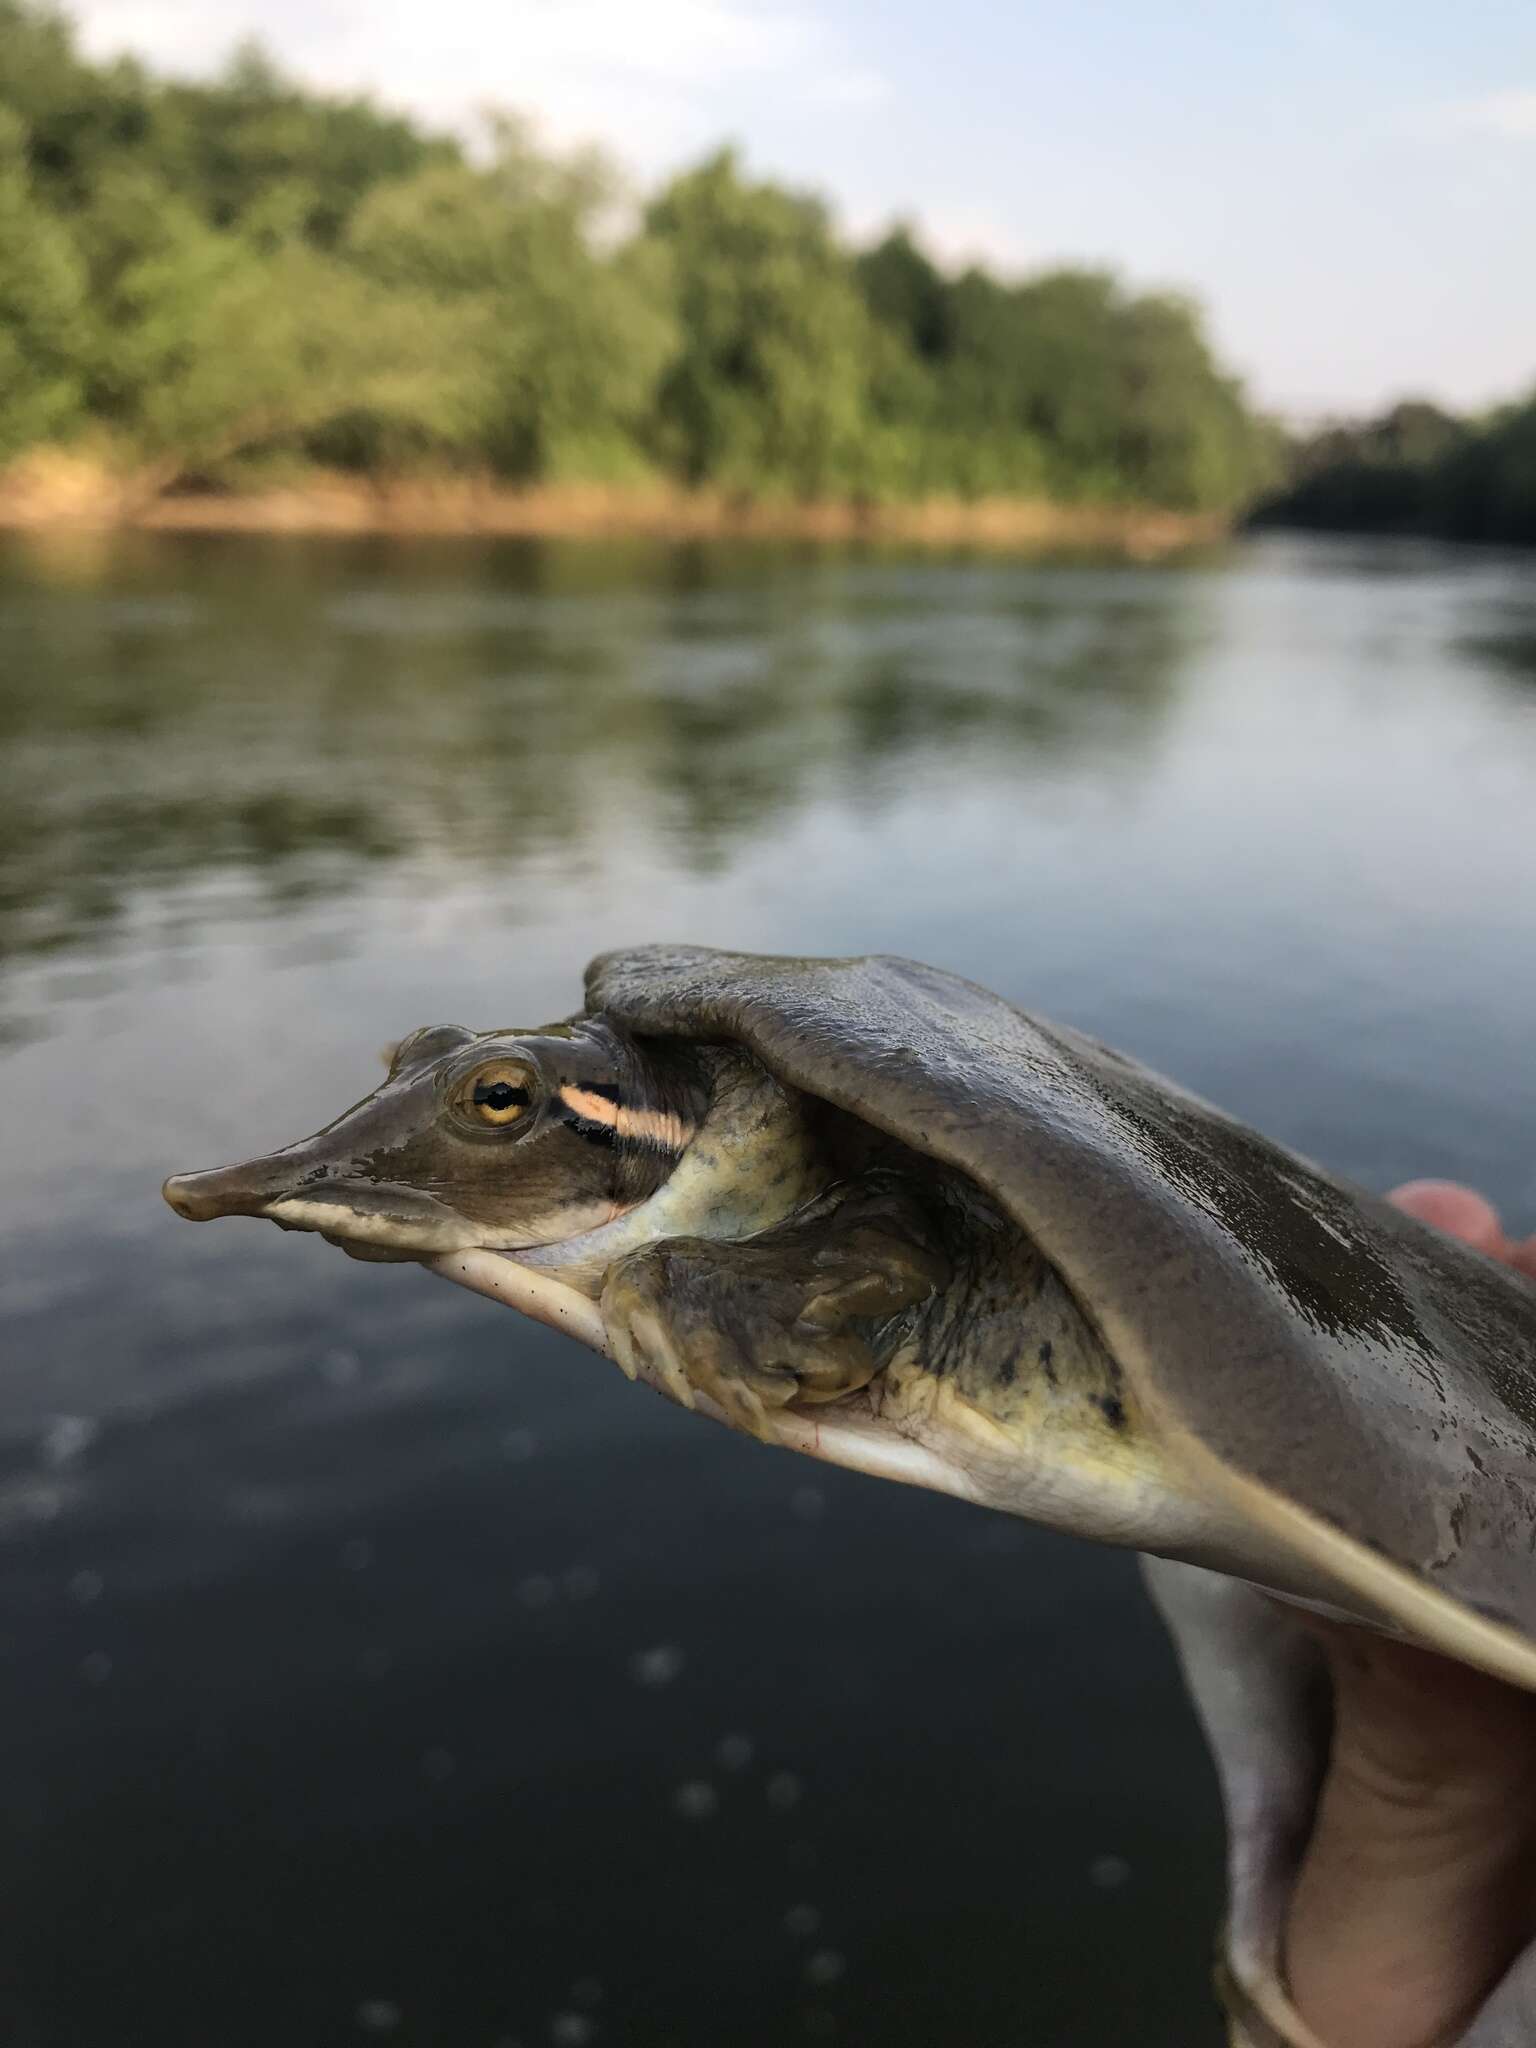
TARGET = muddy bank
x,y
59,491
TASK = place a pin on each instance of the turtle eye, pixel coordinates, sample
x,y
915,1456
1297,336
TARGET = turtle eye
x,y
496,1094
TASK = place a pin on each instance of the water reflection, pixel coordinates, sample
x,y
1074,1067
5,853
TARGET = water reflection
x,y
285,718
380,1666
1510,654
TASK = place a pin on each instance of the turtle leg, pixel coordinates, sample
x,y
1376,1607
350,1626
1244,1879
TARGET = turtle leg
x,y
795,1313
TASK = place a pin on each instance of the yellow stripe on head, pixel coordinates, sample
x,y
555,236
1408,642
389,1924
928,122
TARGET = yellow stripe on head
x,y
662,1127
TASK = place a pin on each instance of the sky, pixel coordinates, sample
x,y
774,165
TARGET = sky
x,y
1344,185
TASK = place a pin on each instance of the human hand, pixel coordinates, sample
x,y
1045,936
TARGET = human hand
x,y
1418,1887
1471,1217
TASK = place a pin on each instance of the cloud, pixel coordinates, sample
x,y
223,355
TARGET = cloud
x,y
956,236
852,88
656,79
1511,114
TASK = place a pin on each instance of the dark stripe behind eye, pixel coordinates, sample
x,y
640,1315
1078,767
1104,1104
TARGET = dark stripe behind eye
x,y
607,1089
595,1134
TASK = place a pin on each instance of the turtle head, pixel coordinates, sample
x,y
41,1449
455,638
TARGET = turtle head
x,y
496,1139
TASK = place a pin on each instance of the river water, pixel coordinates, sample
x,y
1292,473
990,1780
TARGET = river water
x,y
377,1667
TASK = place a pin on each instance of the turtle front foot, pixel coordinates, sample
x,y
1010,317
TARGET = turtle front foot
x,y
792,1314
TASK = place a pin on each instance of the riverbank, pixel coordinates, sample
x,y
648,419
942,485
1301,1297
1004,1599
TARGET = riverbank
x,y
56,490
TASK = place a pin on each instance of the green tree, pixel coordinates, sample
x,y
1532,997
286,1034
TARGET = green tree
x,y
229,147
1482,485
770,387
284,346
252,141
79,118
153,266
206,269
907,293
1186,438
203,345
1061,383
42,302
563,343
1414,469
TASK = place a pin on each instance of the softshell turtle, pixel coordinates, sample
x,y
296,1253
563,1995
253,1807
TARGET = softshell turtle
x,y
870,1211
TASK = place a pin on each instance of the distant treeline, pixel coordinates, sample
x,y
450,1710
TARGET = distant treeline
x,y
206,281
1416,470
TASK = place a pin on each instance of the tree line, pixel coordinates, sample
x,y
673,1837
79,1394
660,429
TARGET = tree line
x,y
198,279
1416,470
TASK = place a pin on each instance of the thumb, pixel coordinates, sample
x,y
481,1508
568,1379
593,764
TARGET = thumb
x,y
1463,1213
1416,1889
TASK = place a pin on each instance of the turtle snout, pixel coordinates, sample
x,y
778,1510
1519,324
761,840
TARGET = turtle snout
x,y
227,1191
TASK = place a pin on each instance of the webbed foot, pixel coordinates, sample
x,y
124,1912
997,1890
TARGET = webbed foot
x,y
792,1314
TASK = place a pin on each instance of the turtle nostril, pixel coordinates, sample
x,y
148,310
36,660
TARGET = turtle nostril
x,y
226,1191
181,1192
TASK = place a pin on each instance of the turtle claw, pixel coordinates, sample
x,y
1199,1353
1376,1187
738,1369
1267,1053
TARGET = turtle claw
x,y
669,1364
681,1356
747,1392
745,1410
642,1345
621,1348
